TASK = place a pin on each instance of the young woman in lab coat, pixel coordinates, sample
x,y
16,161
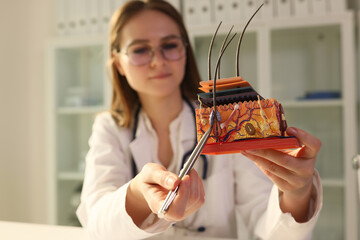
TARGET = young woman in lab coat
x,y
137,149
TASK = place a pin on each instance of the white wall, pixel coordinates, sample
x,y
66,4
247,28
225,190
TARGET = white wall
x,y
25,28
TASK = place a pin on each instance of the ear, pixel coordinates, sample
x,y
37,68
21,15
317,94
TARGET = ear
x,y
115,55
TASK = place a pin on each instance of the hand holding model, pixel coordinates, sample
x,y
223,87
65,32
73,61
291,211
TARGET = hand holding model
x,y
292,172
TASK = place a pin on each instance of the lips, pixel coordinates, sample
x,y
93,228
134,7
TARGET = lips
x,y
160,76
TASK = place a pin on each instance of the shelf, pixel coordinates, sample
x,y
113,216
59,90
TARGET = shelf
x,y
312,103
71,176
207,29
79,41
80,110
309,21
273,23
326,182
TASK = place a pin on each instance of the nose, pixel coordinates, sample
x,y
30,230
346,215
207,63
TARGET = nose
x,y
157,58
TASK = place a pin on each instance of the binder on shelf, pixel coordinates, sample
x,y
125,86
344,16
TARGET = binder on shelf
x,y
250,7
191,12
82,21
205,11
236,10
267,11
319,7
283,8
337,6
105,7
73,27
61,17
221,11
93,16
301,8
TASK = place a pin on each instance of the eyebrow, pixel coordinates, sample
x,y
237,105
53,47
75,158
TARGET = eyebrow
x,y
139,41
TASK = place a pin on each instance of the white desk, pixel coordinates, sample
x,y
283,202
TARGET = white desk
x,y
30,231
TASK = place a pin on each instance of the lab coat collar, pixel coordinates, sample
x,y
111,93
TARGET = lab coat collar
x,y
140,148
188,131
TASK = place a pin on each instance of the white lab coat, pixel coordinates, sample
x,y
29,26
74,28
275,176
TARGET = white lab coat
x,y
240,202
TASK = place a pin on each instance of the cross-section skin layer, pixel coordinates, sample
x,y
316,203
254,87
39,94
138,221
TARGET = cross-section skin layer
x,y
248,120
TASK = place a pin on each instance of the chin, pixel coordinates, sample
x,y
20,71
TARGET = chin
x,y
167,93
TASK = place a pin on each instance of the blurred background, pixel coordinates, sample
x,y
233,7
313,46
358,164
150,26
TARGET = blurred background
x,y
53,82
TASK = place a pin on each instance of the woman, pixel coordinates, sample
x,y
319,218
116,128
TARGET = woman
x,y
137,147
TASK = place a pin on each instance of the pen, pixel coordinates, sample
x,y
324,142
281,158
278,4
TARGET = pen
x,y
186,168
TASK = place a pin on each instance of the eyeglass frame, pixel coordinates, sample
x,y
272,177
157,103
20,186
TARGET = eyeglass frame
x,y
152,51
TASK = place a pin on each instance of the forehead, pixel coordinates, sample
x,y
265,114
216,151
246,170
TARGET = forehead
x,y
148,25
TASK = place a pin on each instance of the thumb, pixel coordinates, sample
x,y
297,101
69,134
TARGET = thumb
x,y
311,144
157,174
170,181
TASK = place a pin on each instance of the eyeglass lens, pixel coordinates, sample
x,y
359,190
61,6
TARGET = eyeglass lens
x,y
172,49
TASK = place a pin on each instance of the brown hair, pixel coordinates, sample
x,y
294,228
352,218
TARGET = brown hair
x,y
125,100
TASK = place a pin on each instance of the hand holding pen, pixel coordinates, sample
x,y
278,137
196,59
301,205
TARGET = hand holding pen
x,y
186,169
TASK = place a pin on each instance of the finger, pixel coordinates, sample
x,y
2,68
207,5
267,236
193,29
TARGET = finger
x,y
157,174
177,209
285,182
197,192
272,169
281,183
279,158
312,144
282,178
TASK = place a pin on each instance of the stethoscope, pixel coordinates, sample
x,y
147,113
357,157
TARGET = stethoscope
x,y
186,155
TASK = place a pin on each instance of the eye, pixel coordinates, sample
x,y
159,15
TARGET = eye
x,y
170,45
139,50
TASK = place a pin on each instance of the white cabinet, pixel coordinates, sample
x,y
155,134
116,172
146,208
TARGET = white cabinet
x,y
76,92
282,57
308,65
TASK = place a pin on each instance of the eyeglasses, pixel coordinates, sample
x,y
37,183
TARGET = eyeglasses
x,y
171,49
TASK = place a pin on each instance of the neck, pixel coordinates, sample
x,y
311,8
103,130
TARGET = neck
x,y
162,111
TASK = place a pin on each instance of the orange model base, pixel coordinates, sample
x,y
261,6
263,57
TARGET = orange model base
x,y
249,144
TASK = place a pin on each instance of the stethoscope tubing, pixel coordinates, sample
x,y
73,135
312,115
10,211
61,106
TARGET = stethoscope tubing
x,y
184,171
194,154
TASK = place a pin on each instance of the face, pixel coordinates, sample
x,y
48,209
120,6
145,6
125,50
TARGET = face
x,y
152,33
